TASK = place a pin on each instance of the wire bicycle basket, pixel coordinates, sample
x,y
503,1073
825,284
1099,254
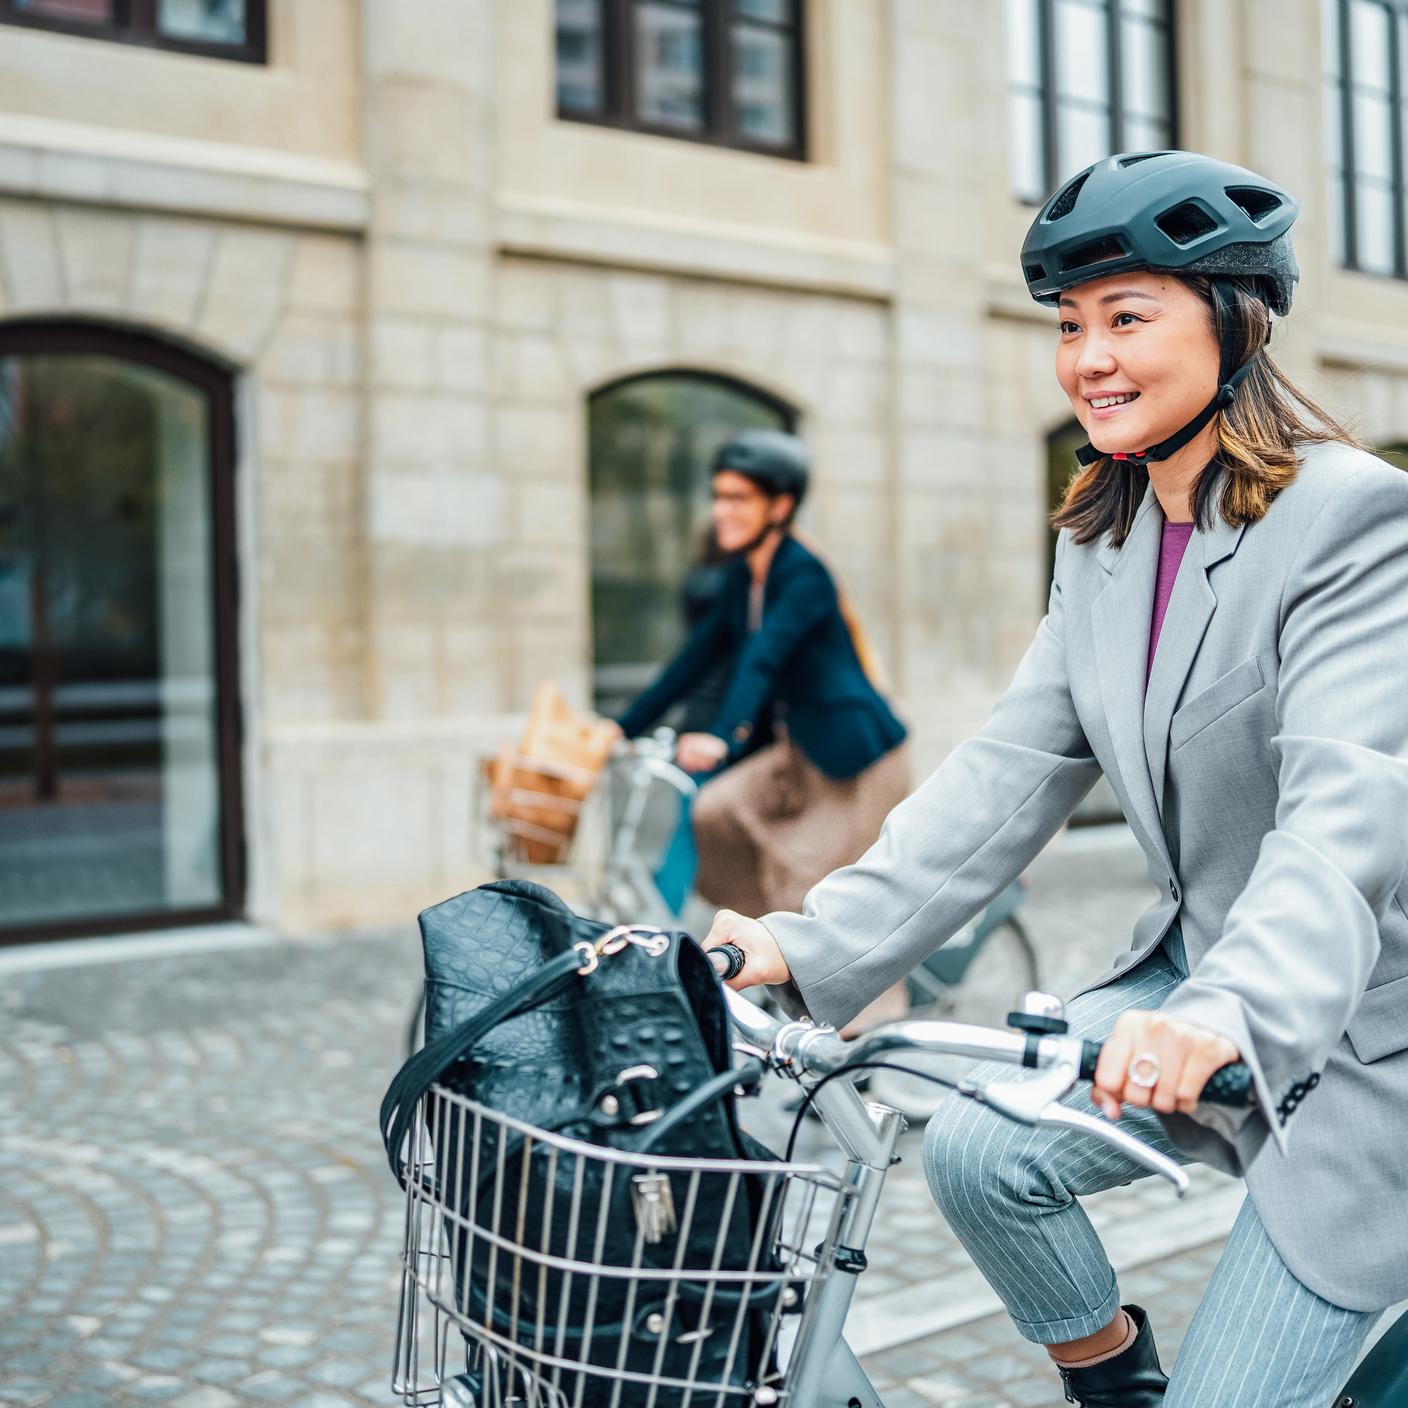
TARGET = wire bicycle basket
x,y
542,1271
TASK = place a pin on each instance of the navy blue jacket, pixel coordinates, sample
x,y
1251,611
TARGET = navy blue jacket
x,y
801,658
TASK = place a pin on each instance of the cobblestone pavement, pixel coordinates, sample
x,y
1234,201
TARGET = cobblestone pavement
x,y
195,1210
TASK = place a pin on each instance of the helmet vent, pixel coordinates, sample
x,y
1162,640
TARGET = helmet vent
x,y
1258,204
1137,158
1034,272
1065,201
1094,252
1186,223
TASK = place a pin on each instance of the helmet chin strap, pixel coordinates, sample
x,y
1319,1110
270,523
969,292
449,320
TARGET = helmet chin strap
x,y
758,541
1166,449
1225,396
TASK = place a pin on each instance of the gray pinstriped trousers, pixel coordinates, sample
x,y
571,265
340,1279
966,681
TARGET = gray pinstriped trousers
x,y
1259,1339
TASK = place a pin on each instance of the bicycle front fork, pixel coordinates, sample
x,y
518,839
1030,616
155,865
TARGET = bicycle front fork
x,y
822,1368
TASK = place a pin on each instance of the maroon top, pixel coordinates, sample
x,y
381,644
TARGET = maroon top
x,y
1171,549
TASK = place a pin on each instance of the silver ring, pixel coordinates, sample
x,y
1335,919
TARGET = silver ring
x,y
1144,1070
733,956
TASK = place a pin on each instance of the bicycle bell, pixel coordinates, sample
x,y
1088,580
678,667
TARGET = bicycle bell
x,y
1042,1015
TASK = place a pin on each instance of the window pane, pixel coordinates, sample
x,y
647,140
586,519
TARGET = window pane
x,y
1373,120
651,442
763,85
669,66
109,734
1143,135
1028,163
1334,134
1374,214
74,11
779,11
580,70
1082,51
1370,32
1144,68
1330,36
209,21
1023,42
1154,9
1338,238
1083,137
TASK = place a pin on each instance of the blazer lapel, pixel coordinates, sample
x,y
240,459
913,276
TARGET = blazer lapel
x,y
1190,609
1120,617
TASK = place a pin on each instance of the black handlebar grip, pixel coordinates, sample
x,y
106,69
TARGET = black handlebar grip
x,y
1231,1085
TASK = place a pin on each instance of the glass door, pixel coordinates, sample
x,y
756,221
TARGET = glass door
x,y
118,784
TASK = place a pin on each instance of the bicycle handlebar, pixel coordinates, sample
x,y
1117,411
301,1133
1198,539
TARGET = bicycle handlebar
x,y
1230,1085
819,1050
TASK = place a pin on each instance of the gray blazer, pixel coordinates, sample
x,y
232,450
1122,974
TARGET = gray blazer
x,y
1265,775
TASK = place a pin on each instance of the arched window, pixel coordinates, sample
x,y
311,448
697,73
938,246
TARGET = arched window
x,y
651,439
119,785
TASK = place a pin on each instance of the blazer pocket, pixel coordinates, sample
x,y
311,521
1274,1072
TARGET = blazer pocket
x,y
1379,1026
1219,698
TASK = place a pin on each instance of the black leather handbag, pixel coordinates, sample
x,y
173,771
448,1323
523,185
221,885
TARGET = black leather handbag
x,y
618,1038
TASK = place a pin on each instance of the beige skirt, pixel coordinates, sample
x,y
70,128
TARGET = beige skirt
x,y
769,828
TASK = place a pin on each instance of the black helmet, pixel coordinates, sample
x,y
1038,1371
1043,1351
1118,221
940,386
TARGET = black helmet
x,y
1174,211
775,461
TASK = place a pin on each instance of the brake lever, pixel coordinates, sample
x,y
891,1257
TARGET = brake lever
x,y
1064,1117
1038,1101
1028,1100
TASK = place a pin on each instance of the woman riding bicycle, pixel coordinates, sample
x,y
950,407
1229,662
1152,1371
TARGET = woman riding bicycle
x,y
808,757
1226,639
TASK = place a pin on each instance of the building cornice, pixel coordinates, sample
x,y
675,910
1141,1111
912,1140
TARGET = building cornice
x,y
53,159
1340,343
562,229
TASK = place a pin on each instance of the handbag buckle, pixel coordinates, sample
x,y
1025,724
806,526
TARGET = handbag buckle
x,y
613,1104
655,942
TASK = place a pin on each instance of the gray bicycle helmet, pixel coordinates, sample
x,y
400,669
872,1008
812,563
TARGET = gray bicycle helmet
x,y
775,461
1175,211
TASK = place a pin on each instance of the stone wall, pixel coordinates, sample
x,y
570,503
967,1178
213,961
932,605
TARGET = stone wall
x,y
420,278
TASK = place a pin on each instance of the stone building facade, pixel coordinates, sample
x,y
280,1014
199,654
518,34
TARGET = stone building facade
x,y
415,276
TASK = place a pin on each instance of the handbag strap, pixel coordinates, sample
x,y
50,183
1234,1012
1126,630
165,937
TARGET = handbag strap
x,y
713,1089
430,1063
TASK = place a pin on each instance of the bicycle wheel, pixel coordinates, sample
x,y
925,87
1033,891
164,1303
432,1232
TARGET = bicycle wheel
x,y
993,982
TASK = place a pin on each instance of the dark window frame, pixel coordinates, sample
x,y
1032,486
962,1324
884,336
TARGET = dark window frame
x,y
43,337
1050,102
135,22
1349,212
618,73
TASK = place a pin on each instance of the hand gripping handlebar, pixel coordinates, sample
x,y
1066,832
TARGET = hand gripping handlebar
x,y
1058,1059
1231,1085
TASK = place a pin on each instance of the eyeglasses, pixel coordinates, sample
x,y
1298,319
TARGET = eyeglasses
x,y
738,497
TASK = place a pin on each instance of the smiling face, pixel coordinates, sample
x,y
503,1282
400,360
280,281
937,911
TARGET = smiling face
x,y
742,511
1137,358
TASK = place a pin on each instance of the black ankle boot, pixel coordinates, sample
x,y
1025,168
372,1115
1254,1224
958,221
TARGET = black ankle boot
x,y
1132,1379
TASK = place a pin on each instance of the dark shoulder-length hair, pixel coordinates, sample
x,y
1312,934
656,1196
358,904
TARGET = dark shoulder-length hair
x,y
1257,437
